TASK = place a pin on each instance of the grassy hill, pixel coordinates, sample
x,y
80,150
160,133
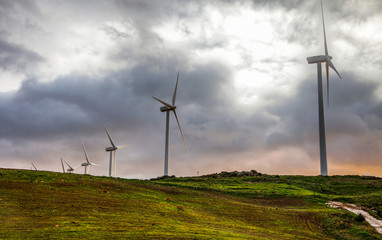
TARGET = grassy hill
x,y
49,205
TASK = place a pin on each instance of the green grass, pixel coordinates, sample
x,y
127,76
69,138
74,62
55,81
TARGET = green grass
x,y
48,205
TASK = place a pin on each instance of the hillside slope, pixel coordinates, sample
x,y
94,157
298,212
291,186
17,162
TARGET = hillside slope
x,y
38,205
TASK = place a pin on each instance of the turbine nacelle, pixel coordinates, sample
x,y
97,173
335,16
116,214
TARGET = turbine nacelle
x,y
110,149
165,108
318,59
85,164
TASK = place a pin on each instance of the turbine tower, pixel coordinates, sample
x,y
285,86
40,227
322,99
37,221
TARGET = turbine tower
x,y
168,108
321,118
86,164
113,150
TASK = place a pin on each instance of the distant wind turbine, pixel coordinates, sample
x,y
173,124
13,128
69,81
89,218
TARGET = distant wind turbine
x,y
34,167
112,149
70,169
86,164
320,59
167,108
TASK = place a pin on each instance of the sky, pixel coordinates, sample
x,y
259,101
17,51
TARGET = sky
x,y
247,98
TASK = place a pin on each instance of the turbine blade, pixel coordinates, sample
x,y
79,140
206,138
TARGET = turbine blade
x,y
34,167
108,134
93,164
68,164
332,66
164,103
122,146
62,164
323,25
86,154
175,91
76,167
327,81
181,132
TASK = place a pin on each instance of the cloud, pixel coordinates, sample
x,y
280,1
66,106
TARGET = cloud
x,y
17,58
351,120
246,98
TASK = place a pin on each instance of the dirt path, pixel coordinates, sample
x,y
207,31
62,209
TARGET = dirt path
x,y
377,224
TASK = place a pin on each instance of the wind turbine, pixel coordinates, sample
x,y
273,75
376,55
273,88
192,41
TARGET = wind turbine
x,y
34,167
320,59
86,164
62,164
70,169
168,108
112,149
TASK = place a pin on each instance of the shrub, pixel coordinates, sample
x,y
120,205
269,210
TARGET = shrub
x,y
379,213
360,218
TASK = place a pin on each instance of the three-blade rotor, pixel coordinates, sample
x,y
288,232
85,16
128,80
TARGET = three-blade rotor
x,y
172,107
87,163
328,58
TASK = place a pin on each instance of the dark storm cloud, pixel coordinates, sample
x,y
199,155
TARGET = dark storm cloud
x,y
131,90
17,15
297,117
70,106
40,110
16,58
353,114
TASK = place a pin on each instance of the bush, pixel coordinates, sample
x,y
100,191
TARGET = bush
x,y
360,218
379,213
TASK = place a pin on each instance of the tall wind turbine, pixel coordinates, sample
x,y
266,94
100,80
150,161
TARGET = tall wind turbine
x,y
168,108
113,149
327,60
86,164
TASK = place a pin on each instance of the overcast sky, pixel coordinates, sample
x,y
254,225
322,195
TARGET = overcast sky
x,y
247,97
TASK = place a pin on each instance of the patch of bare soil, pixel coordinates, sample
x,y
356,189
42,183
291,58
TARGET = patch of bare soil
x,y
377,224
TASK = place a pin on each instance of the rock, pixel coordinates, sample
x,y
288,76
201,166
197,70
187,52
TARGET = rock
x,y
251,173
